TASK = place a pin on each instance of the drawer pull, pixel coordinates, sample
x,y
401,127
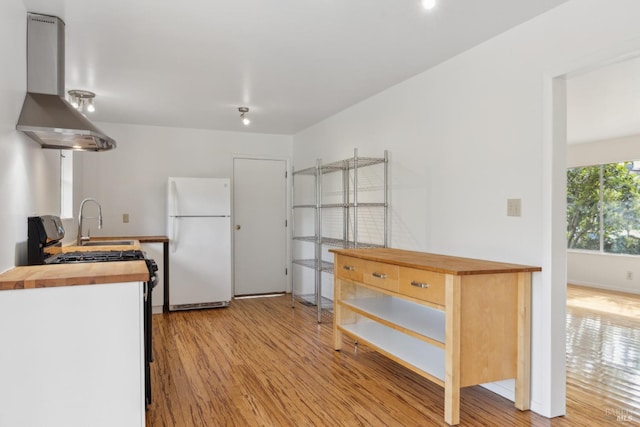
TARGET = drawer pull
x,y
419,285
379,275
348,267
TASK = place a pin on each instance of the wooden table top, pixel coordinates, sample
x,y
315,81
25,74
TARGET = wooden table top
x,y
138,240
75,248
434,262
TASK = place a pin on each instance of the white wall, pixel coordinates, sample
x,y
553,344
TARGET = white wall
x,y
29,176
132,178
606,271
475,131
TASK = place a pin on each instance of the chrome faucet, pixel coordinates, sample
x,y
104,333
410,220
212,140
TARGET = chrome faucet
x,y
81,238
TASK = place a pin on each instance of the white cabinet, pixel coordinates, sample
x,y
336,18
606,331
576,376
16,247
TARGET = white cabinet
x,y
72,356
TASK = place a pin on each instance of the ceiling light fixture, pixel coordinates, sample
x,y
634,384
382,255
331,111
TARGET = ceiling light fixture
x,y
82,100
243,111
428,4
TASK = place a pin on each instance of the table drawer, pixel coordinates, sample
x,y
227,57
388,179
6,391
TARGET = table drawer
x,y
380,275
348,268
421,284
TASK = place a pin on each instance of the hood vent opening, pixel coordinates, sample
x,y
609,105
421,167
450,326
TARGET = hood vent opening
x,y
46,116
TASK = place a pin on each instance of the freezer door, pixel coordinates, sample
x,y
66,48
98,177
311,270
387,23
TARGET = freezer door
x,y
200,266
199,197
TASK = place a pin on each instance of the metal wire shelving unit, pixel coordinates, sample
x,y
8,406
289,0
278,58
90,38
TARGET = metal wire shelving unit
x,y
348,208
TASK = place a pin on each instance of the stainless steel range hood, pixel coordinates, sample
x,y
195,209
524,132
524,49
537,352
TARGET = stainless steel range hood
x,y
46,116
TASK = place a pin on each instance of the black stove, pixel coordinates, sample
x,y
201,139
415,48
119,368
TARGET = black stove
x,y
44,238
96,256
106,256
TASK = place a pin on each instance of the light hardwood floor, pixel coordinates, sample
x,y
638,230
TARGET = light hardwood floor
x,y
261,363
603,354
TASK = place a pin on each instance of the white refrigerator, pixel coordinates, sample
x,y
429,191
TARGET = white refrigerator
x,y
199,230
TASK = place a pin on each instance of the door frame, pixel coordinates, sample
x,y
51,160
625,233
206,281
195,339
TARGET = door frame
x,y
286,233
552,291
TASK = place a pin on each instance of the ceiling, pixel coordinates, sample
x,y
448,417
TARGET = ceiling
x,y
192,63
604,103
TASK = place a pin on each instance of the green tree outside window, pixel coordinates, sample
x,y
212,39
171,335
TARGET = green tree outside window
x,y
603,208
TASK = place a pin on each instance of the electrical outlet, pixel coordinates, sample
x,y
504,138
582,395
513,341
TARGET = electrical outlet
x,y
514,207
629,275
125,218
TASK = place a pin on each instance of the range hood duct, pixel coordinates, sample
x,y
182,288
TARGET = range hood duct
x,y
47,117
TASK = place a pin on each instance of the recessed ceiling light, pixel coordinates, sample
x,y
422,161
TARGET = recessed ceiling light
x,y
428,4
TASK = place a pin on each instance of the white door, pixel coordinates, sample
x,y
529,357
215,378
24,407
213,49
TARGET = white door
x,y
260,233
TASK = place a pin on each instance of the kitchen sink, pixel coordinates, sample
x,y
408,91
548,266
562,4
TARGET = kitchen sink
x,y
109,243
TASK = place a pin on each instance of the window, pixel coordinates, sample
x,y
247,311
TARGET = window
x,y
603,208
66,184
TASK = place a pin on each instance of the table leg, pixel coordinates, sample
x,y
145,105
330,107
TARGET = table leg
x,y
337,314
452,350
523,379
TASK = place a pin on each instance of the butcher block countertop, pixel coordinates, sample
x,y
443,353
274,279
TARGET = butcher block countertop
x,y
456,266
141,239
47,276
74,248
90,273
137,241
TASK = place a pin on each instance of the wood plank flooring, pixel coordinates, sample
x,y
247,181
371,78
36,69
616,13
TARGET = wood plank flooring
x,y
261,363
603,353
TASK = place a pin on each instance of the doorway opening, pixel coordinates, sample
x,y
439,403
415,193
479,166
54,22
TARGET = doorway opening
x,y
602,314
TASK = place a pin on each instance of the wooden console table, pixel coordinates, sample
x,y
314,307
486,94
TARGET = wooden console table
x,y
455,321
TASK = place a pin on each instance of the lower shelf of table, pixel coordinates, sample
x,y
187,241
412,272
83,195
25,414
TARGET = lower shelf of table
x,y
407,350
411,316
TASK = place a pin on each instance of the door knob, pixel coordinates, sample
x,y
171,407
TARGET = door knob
x,y
238,227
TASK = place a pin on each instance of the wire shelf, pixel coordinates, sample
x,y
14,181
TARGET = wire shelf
x,y
341,243
310,300
307,171
351,164
338,221
353,205
341,165
325,266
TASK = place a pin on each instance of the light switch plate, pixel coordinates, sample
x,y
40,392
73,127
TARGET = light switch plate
x,y
125,218
514,207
